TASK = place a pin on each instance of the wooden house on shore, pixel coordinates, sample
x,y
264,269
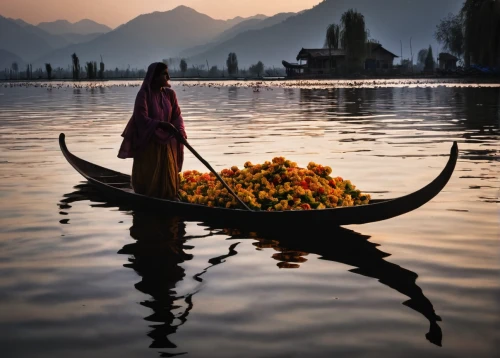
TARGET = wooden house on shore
x,y
447,61
316,62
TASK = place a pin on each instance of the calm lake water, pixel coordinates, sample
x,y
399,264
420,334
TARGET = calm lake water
x,y
79,277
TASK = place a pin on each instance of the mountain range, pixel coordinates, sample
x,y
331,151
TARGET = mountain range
x,y
391,22
184,32
246,25
29,42
82,27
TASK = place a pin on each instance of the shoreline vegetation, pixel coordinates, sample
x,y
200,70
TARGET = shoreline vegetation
x,y
480,78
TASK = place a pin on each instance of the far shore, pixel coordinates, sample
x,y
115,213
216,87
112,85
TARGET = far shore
x,y
472,79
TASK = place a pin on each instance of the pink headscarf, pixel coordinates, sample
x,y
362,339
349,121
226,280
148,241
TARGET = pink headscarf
x,y
152,107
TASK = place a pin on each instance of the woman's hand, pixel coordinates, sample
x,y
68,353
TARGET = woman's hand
x,y
170,128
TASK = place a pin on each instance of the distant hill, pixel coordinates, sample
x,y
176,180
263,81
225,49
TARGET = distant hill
x,y
389,21
250,24
82,27
55,41
253,24
78,38
145,39
235,21
7,58
16,39
20,22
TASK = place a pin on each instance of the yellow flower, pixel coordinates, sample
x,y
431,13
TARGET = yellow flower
x,y
279,160
261,183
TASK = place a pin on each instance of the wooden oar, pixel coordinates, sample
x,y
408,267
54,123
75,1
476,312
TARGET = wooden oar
x,y
183,140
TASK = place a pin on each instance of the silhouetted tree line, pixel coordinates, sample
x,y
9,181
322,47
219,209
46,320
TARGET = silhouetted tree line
x,y
60,73
179,67
90,71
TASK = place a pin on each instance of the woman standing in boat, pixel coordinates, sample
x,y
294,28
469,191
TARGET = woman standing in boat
x,y
148,137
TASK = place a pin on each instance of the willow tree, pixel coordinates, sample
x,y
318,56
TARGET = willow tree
x,y
353,38
76,66
101,69
48,69
482,32
89,68
450,33
232,64
332,40
183,66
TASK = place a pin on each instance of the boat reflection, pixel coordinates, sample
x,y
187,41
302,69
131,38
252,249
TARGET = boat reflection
x,y
161,246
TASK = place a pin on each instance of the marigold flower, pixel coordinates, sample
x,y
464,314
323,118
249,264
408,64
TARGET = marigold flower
x,y
279,160
264,187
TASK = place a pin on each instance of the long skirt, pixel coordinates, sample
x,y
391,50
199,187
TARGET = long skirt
x,y
155,172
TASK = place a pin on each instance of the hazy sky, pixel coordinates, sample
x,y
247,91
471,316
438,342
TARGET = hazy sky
x,y
117,12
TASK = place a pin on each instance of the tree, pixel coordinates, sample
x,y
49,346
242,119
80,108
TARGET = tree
x,y
257,69
183,66
76,66
232,64
101,69
213,71
481,19
15,68
422,55
48,69
89,68
429,60
353,38
450,33
332,40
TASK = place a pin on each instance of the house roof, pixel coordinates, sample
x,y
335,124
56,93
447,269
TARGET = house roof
x,y
373,46
318,52
292,65
444,56
305,53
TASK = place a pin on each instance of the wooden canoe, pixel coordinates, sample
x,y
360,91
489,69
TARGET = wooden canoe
x,y
116,187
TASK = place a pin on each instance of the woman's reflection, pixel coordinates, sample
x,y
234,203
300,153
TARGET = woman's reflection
x,y
157,256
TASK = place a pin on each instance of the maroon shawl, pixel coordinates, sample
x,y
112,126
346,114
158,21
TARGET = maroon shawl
x,y
150,108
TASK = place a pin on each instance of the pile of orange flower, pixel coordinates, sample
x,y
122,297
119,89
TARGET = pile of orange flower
x,y
277,185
